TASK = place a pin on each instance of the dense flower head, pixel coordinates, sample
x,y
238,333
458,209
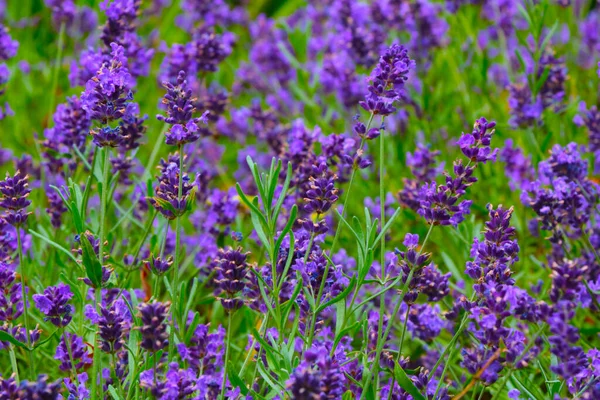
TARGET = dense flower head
x,y
441,204
71,123
121,16
132,127
210,49
476,145
424,168
14,191
494,256
108,92
321,193
41,388
112,326
8,46
78,389
427,279
387,81
158,265
154,326
11,299
209,13
167,199
565,162
72,347
53,303
205,351
519,168
180,106
232,268
63,11
319,375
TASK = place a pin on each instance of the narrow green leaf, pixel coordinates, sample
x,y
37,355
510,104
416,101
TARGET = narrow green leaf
x,y
340,296
43,342
386,226
358,240
287,228
53,244
92,265
261,233
235,379
113,393
284,189
406,384
7,337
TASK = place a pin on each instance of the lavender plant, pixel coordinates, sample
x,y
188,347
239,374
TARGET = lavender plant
x,y
303,218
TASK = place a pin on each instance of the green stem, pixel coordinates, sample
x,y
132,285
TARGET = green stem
x,y
228,344
97,378
24,298
523,354
57,62
251,349
335,239
399,351
382,241
175,281
381,340
13,363
71,359
152,159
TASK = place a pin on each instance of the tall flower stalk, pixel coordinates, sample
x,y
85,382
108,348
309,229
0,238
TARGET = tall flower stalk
x,y
174,192
14,193
105,100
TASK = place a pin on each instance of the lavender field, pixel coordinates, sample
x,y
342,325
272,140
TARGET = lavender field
x,y
303,199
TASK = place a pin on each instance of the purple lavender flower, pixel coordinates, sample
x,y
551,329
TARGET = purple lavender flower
x,y
519,169
180,107
423,166
439,204
71,123
132,127
78,350
427,279
232,269
63,11
476,145
321,193
39,389
179,383
565,162
497,253
154,327
15,198
318,376
111,328
166,199
387,81
211,49
11,299
205,351
107,93
590,118
157,265
54,304
78,390
210,13
8,46
572,359
524,110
